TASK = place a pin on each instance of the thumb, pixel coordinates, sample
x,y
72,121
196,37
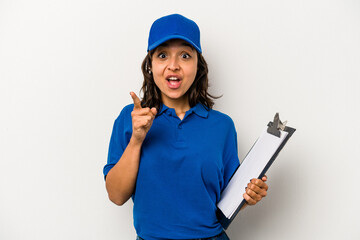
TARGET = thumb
x,y
154,111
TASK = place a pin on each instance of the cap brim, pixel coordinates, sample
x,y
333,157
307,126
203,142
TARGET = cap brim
x,y
167,38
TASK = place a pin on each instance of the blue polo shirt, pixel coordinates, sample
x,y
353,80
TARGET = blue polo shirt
x,y
184,166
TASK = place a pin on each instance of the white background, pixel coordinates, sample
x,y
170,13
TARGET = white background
x,y
66,70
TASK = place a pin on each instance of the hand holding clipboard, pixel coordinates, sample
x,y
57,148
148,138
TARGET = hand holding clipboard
x,y
256,163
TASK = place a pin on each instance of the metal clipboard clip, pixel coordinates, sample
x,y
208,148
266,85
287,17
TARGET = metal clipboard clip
x,y
275,126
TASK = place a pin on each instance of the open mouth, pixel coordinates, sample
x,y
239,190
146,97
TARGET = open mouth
x,y
173,79
174,82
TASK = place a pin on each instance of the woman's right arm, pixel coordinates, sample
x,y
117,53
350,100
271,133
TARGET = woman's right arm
x,y
121,179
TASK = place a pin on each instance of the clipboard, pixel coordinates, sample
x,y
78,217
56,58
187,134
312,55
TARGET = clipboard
x,y
255,164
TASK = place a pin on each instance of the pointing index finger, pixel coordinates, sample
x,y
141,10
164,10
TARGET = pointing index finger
x,y
137,102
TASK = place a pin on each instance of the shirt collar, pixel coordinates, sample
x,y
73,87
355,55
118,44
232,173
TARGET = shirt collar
x,y
163,108
199,109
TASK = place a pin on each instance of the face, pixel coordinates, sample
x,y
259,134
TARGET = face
x,y
174,67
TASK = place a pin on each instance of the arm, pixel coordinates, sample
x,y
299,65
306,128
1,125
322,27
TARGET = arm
x,y
121,179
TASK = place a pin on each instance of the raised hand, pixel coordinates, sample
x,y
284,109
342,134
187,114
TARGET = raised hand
x,y
256,190
142,119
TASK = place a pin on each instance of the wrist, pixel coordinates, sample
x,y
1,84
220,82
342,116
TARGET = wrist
x,y
135,142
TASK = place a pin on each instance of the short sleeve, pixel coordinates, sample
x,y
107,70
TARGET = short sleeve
x,y
120,138
231,158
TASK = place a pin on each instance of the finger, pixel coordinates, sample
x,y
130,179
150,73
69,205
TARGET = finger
x,y
260,191
248,199
264,178
253,194
148,121
141,112
254,188
137,102
260,183
143,120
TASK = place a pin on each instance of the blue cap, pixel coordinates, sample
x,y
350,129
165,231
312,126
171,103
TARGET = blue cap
x,y
174,26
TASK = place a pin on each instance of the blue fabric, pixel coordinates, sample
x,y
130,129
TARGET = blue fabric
x,y
221,236
184,166
171,27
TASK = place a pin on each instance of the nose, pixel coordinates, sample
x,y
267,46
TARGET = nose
x,y
173,64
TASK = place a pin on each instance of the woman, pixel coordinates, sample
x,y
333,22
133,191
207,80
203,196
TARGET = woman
x,y
171,152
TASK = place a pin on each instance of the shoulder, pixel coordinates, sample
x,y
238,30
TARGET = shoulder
x,y
128,108
221,117
126,112
124,117
222,121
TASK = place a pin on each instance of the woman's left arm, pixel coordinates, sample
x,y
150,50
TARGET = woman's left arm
x,y
255,191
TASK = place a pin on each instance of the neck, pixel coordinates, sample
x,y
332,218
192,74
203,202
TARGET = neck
x,y
180,105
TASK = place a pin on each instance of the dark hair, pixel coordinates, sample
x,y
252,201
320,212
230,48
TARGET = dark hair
x,y
197,93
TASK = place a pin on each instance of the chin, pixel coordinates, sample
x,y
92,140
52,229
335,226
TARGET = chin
x,y
175,96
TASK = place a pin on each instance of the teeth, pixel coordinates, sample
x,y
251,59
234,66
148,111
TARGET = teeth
x,y
173,79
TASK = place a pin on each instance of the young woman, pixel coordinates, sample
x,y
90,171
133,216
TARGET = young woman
x,y
171,152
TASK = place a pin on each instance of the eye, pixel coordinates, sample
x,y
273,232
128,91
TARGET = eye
x,y
161,55
185,55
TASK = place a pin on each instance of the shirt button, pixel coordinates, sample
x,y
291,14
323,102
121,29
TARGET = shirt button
x,y
180,127
168,113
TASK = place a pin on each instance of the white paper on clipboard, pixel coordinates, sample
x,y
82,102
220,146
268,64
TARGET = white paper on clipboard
x,y
251,167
